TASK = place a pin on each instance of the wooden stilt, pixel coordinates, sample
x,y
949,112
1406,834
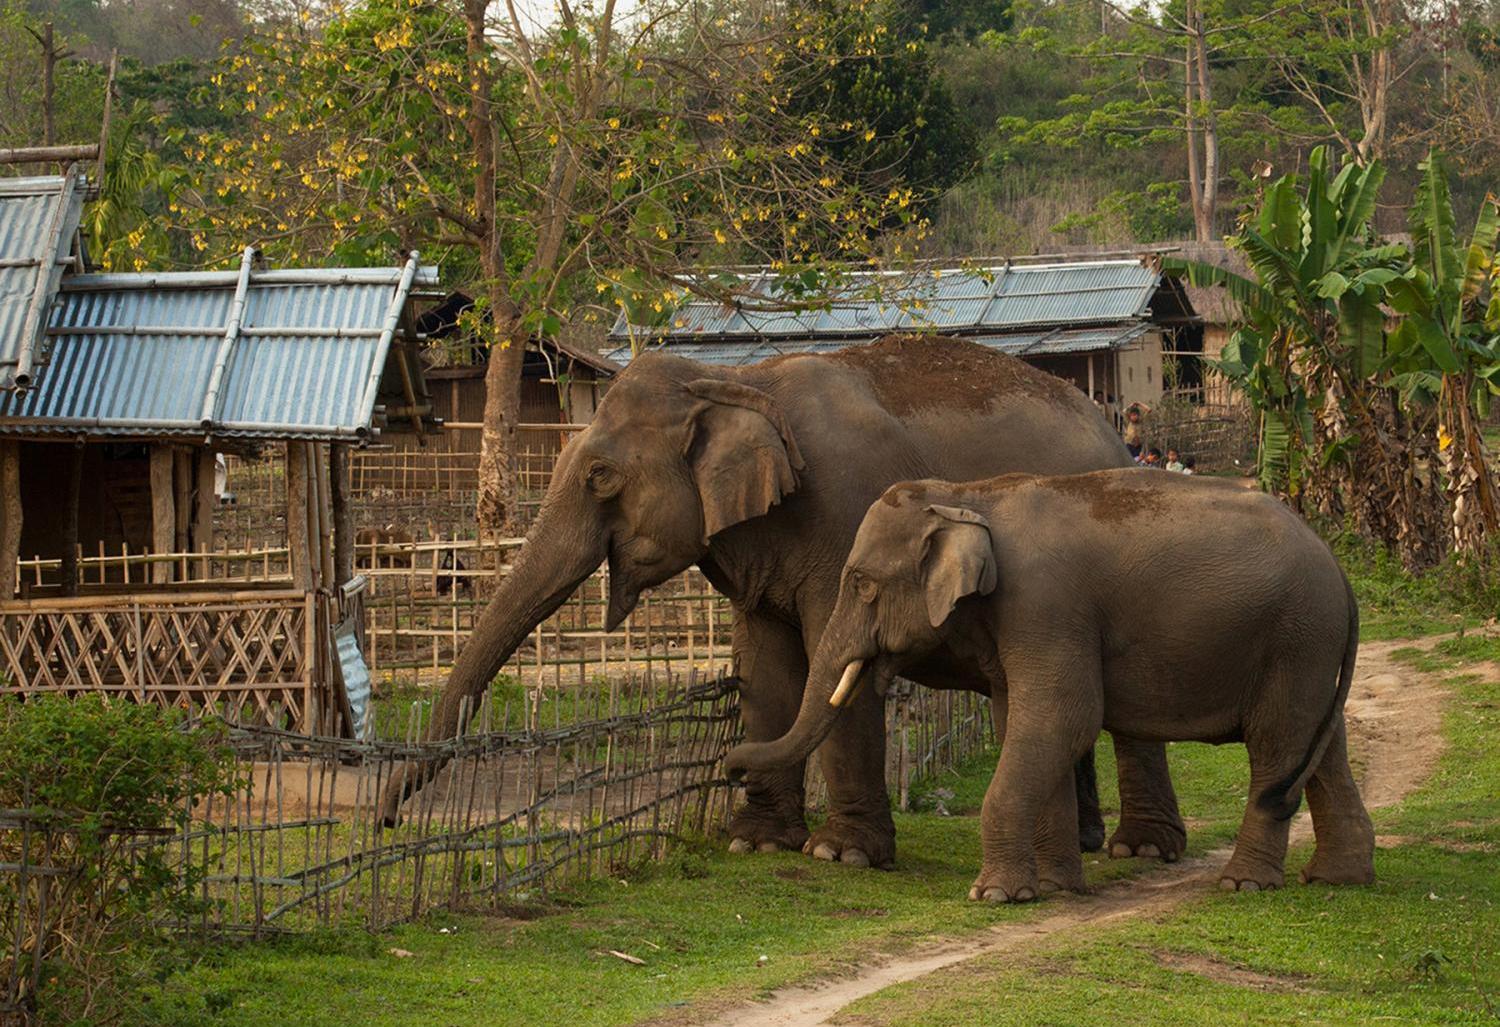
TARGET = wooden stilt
x,y
163,517
297,534
320,465
10,516
71,499
182,500
204,503
343,521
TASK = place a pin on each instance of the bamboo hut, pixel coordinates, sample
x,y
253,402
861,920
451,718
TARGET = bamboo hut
x,y
119,393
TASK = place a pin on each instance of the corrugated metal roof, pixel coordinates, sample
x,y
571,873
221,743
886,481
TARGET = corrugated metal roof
x,y
1055,342
38,225
163,354
963,301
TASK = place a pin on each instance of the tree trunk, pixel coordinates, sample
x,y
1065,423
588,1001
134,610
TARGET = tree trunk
x,y
498,514
1201,127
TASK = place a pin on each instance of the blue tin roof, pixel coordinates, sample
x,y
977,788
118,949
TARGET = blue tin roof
x,y
1053,342
254,354
965,301
39,220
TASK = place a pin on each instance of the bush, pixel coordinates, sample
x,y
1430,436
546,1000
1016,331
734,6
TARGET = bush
x,y
86,783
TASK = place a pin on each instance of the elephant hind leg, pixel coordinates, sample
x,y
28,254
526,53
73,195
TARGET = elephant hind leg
x,y
1150,825
1345,852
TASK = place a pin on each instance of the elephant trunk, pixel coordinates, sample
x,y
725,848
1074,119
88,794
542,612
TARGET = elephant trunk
x,y
545,574
830,688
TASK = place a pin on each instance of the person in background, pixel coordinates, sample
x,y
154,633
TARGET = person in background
x,y
1152,458
1132,432
1174,462
1190,465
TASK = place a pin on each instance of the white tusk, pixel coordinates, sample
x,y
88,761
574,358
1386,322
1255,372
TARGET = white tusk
x,y
846,683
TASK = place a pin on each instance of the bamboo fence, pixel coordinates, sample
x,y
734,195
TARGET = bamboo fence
x,y
548,787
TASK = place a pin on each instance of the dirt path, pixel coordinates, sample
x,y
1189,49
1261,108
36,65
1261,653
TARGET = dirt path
x,y
1394,715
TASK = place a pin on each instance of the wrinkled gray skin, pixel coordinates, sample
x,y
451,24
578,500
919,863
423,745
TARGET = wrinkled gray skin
x,y
760,476
1156,606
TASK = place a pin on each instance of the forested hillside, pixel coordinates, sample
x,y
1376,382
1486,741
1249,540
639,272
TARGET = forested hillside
x,y
1022,127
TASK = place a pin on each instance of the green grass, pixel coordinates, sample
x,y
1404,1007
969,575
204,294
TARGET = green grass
x,y
1422,946
701,920
1395,604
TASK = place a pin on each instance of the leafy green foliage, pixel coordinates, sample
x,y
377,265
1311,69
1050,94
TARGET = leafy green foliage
x,y
89,775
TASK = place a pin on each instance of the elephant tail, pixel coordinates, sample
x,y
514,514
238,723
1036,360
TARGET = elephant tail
x,y
1283,799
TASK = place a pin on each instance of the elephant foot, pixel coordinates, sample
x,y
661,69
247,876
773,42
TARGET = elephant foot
x,y
1340,868
1000,886
756,830
1062,875
1090,833
854,842
1148,839
1239,877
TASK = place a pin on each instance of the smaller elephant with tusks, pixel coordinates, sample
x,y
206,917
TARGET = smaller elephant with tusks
x,y
1158,607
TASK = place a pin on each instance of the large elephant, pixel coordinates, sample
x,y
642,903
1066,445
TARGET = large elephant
x,y
1155,606
760,476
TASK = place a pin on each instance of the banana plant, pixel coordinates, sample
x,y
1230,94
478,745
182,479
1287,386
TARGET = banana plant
x,y
1312,314
1445,352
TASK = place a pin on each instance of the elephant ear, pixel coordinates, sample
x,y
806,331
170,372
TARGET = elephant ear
x,y
958,561
743,454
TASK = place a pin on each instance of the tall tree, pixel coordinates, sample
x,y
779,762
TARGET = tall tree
x,y
606,157
1151,75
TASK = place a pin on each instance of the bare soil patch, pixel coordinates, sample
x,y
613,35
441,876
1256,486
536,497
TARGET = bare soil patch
x,y
1226,973
1394,715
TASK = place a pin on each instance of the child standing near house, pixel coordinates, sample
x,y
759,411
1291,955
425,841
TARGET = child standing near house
x,y
1132,432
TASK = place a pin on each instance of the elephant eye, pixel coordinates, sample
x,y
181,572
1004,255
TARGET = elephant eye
x,y
863,587
603,480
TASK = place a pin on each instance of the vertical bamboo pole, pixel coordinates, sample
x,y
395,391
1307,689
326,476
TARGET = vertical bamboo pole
x,y
10,517
163,519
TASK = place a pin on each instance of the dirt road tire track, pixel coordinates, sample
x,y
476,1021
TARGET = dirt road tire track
x,y
1395,718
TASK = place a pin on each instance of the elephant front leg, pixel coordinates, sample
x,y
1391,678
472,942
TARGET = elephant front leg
x,y
859,830
772,670
1029,823
1150,825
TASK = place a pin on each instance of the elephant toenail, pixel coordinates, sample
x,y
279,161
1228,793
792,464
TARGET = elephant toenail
x,y
1025,895
1119,850
1249,886
1227,884
1048,887
826,852
1148,851
768,847
994,895
855,858
739,846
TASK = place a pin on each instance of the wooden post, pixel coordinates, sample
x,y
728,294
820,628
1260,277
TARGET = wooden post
x,y
204,503
163,517
343,522
71,499
182,499
10,517
297,534
1090,359
320,458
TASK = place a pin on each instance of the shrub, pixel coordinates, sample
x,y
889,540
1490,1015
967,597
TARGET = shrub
x,y
87,783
